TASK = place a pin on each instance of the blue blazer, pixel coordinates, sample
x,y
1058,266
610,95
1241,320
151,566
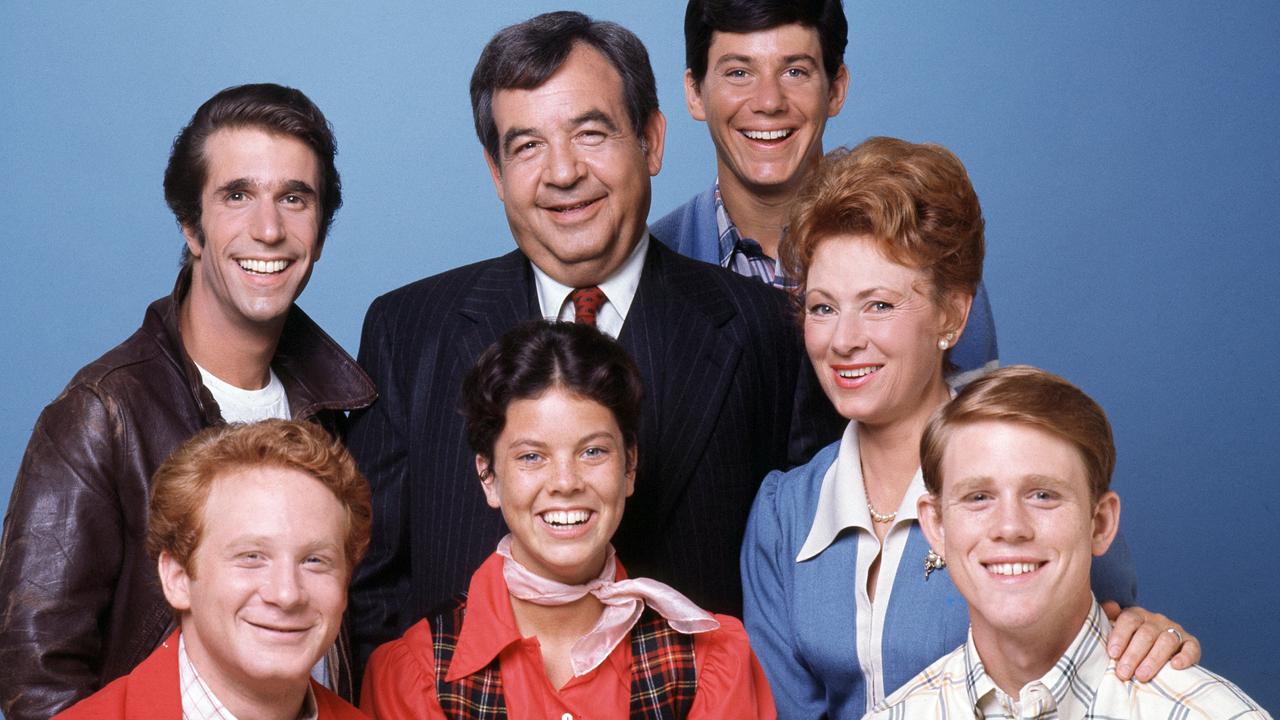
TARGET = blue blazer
x,y
691,231
801,616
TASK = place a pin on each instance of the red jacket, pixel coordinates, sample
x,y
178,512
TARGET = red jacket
x,y
152,691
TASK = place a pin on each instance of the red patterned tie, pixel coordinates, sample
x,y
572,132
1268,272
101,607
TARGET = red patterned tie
x,y
586,304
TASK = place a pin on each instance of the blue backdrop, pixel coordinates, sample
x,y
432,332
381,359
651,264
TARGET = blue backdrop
x,y
1126,156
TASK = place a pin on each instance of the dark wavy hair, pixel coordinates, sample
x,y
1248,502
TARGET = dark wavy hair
x,y
702,18
536,356
525,55
266,106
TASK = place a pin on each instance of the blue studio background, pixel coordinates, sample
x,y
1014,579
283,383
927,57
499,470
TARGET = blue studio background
x,y
1126,156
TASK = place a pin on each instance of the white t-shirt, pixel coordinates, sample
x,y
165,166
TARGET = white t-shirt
x,y
240,405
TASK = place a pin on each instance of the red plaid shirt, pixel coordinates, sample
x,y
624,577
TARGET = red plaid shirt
x,y
401,678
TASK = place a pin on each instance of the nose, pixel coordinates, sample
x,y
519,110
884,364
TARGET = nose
x,y
1012,522
566,478
563,166
769,96
850,334
267,222
283,587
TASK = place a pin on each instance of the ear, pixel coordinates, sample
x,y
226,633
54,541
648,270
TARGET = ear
x,y
693,97
488,481
632,456
193,240
956,314
495,172
655,133
929,510
1106,522
838,91
174,581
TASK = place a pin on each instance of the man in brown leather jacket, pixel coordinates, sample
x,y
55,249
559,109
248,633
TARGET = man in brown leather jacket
x,y
253,185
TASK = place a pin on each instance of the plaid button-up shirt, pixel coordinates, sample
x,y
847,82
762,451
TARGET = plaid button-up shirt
x,y
199,702
744,255
1082,684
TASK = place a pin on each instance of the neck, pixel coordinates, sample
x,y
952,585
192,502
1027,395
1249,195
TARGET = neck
x,y
236,353
553,623
890,451
1014,658
273,700
760,212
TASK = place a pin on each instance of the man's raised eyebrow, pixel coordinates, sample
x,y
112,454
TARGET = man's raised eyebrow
x,y
299,187
512,134
594,115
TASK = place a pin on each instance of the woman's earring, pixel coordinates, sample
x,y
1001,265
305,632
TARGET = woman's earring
x,y
945,342
933,561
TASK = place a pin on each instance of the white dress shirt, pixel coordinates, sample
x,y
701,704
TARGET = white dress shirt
x,y
619,290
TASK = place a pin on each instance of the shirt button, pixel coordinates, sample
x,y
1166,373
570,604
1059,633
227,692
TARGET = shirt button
x,y
566,716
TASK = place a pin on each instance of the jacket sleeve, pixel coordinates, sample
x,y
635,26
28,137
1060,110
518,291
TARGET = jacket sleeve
x,y
767,577
815,423
400,683
60,558
731,683
380,586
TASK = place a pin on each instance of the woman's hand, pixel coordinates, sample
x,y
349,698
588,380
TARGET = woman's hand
x,y
1147,641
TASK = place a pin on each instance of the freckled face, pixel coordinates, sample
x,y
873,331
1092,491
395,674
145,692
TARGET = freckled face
x,y
268,584
259,226
871,330
1018,528
766,98
561,475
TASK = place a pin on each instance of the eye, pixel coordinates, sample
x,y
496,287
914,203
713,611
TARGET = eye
x,y
529,458
796,72
977,497
879,306
235,196
1044,496
591,137
251,559
820,310
293,200
317,561
595,452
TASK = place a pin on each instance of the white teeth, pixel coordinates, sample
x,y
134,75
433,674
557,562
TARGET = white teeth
x,y
858,372
766,134
263,267
565,517
1012,568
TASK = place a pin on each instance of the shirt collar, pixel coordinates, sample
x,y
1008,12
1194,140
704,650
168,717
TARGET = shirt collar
x,y
619,288
489,625
726,232
842,499
194,687
1071,683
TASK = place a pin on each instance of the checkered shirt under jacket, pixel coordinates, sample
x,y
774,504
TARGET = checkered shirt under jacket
x,y
663,677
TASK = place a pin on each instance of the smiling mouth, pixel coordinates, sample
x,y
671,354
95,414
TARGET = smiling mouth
x,y
263,267
278,630
571,208
854,373
565,518
768,135
1012,569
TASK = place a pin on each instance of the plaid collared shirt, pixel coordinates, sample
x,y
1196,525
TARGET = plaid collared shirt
x,y
199,702
744,255
1082,684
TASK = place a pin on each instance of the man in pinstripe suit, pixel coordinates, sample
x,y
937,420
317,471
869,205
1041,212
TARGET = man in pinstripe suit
x,y
568,115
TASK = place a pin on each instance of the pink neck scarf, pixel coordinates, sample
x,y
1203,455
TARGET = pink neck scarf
x,y
624,601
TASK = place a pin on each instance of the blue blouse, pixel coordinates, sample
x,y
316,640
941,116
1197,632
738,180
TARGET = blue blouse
x,y
801,616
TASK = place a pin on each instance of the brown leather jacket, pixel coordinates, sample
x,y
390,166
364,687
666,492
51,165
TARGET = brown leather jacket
x,y
80,602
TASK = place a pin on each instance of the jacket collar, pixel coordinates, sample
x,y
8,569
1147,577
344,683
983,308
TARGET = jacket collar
x,y
316,372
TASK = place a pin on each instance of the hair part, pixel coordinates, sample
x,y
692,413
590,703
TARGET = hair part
x,y
272,108
537,356
1028,396
704,18
181,487
526,55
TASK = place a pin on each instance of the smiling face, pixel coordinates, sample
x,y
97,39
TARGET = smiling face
x,y
259,228
574,175
561,475
766,100
268,581
1018,528
871,329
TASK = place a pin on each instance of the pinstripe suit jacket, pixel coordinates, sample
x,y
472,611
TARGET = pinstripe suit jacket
x,y
727,399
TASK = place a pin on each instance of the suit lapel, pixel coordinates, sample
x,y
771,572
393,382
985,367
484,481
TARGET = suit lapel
x,y
501,298
675,332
